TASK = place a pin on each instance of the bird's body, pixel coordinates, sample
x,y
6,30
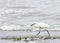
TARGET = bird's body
x,y
41,26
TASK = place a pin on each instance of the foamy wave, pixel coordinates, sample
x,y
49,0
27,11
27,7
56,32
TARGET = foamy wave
x,y
14,27
10,27
18,27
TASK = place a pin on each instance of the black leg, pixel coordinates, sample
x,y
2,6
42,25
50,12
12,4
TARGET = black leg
x,y
38,33
48,32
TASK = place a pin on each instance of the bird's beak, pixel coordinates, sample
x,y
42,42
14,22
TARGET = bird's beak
x,y
32,24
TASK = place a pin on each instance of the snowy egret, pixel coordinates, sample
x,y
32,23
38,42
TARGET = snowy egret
x,y
41,26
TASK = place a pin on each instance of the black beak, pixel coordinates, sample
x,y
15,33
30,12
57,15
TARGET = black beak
x,y
32,24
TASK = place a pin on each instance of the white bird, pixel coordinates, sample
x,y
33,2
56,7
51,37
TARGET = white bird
x,y
41,26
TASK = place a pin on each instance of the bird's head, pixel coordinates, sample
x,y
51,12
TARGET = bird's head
x,y
33,23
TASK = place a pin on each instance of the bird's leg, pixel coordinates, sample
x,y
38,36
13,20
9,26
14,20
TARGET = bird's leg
x,y
48,32
38,32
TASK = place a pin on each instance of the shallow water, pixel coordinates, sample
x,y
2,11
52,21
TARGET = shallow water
x,y
23,33
38,41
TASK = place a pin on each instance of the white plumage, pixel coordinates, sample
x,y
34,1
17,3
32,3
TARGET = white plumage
x,y
41,26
